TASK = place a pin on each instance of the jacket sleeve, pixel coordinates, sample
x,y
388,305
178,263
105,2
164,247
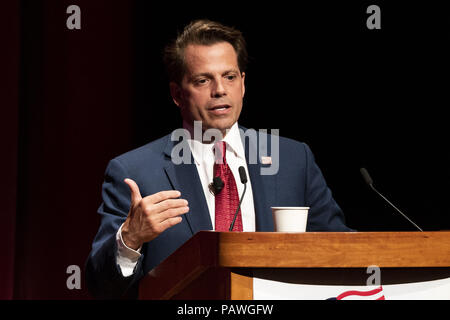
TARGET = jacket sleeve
x,y
324,213
104,278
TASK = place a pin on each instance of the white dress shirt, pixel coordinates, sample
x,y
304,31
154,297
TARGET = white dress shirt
x,y
204,160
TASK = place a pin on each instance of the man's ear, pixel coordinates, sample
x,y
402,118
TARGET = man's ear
x,y
175,92
243,84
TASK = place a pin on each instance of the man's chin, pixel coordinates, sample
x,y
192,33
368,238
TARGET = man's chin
x,y
223,126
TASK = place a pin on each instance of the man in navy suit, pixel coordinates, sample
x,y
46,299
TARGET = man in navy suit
x,y
153,202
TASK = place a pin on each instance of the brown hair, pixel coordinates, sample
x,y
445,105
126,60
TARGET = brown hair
x,y
202,32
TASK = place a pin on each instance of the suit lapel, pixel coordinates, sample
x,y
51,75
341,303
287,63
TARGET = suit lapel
x,y
263,186
184,178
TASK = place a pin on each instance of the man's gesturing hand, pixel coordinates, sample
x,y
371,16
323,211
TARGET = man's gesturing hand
x,y
150,216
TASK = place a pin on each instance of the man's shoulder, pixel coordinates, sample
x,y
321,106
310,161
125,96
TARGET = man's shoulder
x,y
292,142
152,150
273,137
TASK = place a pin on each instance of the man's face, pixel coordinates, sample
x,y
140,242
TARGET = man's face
x,y
212,88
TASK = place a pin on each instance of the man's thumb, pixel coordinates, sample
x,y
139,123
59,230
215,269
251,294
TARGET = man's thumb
x,y
135,193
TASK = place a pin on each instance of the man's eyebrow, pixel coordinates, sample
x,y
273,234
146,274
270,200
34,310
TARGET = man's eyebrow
x,y
201,74
231,71
208,74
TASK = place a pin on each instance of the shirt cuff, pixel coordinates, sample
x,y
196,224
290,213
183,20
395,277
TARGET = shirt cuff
x,y
126,257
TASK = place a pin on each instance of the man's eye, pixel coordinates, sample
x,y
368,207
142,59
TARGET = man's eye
x,y
231,77
200,81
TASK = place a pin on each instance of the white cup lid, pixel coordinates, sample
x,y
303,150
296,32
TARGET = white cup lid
x,y
290,208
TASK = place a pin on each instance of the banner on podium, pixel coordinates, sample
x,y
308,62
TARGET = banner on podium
x,y
266,289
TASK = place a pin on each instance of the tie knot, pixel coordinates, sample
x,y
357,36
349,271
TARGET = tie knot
x,y
219,152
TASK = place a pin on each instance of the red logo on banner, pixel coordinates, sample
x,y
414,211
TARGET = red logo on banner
x,y
375,294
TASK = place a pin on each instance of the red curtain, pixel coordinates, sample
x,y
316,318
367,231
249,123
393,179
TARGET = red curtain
x,y
67,111
8,142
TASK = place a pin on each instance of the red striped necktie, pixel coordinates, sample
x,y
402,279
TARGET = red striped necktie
x,y
227,200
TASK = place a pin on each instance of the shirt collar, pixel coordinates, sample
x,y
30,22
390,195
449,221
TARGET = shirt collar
x,y
232,139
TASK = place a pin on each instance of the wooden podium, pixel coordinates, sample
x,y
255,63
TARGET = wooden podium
x,y
220,265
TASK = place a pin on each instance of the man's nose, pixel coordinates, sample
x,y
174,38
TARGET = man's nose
x,y
218,89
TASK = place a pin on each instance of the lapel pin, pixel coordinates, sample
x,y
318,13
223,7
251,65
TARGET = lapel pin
x,y
266,160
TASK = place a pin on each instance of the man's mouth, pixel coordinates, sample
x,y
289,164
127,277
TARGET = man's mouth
x,y
220,109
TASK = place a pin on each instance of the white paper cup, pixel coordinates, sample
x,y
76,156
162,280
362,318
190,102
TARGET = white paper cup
x,y
290,219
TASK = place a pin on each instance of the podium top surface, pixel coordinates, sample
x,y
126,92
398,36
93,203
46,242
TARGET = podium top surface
x,y
333,249
314,250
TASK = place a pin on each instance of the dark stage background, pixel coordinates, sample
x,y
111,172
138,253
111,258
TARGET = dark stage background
x,y
74,99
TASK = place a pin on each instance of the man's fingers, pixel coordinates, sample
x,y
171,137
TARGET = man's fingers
x,y
170,222
163,195
172,213
135,193
170,204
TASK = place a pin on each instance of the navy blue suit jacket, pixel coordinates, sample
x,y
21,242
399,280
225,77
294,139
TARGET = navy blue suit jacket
x,y
298,182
